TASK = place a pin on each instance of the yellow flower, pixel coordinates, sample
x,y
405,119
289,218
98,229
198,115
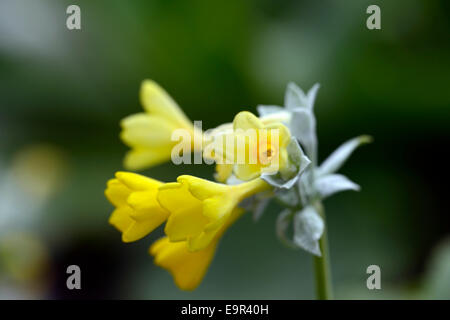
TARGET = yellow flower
x,y
200,208
137,210
223,172
259,147
188,268
149,134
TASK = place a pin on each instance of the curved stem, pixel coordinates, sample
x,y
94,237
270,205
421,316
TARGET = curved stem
x,y
322,264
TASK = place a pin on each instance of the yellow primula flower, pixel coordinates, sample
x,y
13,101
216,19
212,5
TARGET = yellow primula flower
x,y
223,172
149,134
137,210
200,208
259,147
188,268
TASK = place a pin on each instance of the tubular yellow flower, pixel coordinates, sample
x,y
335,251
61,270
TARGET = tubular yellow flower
x,y
137,210
259,147
188,268
149,134
200,208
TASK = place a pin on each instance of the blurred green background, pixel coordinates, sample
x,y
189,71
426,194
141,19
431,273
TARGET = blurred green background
x,y
63,93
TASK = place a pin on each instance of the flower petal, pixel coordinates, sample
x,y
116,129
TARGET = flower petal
x,y
201,188
187,268
157,101
145,205
186,215
136,181
137,159
247,172
139,229
120,218
143,130
283,133
117,193
246,120
223,172
214,230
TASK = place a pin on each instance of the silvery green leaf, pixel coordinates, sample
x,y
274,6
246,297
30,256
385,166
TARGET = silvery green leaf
x,y
308,228
268,110
335,161
296,98
299,162
311,96
297,156
303,127
282,225
277,181
288,198
333,183
305,188
260,202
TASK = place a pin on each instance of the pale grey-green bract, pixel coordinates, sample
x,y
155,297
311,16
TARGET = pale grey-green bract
x,y
312,182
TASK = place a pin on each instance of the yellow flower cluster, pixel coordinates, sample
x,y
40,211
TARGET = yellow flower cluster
x,y
196,212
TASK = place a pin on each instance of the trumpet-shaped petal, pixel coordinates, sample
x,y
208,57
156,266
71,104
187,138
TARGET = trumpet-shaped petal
x,y
246,120
121,218
136,181
223,172
263,146
136,130
137,211
158,102
199,208
149,134
185,210
187,267
139,158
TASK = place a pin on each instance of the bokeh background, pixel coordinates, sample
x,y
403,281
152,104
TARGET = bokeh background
x,y
63,93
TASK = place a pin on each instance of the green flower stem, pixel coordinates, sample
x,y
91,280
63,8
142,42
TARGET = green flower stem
x,y
322,264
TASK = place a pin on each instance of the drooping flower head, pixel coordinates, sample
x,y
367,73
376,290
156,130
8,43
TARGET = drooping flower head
x,y
197,212
149,134
186,266
137,211
200,208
